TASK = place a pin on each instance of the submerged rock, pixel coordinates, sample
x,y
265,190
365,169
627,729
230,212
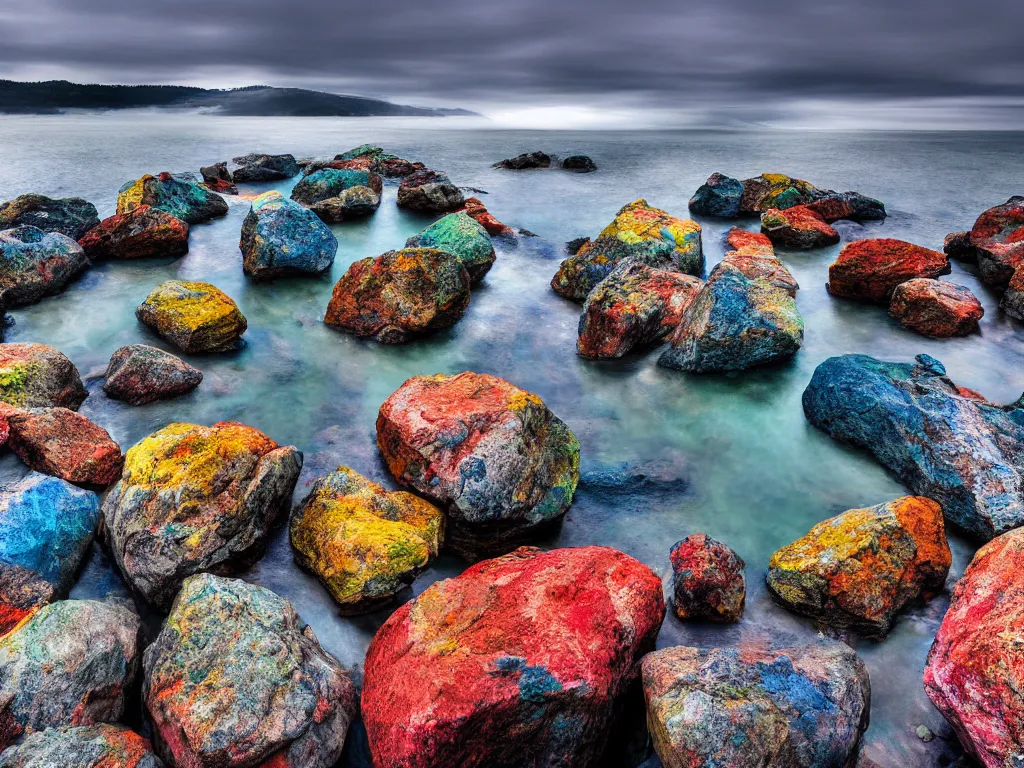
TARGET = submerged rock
x,y
140,374
34,264
86,746
802,707
517,661
400,295
870,270
237,679
363,542
579,163
863,567
997,241
478,211
143,233
185,200
430,192
194,499
38,376
217,178
259,167
280,237
525,161
65,444
461,236
195,317
718,196
935,308
707,580
491,454
69,216
797,228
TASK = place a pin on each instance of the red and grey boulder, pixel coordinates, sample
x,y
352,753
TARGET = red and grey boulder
x,y
35,264
1012,302
517,661
65,444
430,192
935,308
997,240
84,746
851,206
707,580
870,270
217,178
38,376
754,255
957,245
478,211
70,216
140,374
797,228
143,233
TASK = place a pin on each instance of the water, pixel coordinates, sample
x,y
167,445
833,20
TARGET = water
x,y
733,454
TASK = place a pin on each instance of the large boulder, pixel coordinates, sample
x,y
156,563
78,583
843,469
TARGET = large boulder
x,y
944,443
997,242
236,679
46,526
957,245
463,237
194,499
489,453
478,211
936,308
754,255
525,161
400,295
803,707
38,376
280,237
777,190
363,542
636,306
339,194
140,374
34,264
65,444
70,216
398,167
429,191
84,746
718,196
517,661
860,569
975,670
143,233
195,317
260,167
852,206
579,164
72,662
798,228
363,150
707,580
638,233
1012,302
185,200
870,270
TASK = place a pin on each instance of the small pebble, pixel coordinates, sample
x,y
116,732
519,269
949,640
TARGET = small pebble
x,y
924,733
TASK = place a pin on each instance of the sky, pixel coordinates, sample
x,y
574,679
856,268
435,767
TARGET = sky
x,y
574,63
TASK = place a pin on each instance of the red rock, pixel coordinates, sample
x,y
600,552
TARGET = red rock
x,y
476,209
707,580
871,269
1012,302
65,444
754,255
935,308
997,238
798,228
748,243
142,233
518,661
957,245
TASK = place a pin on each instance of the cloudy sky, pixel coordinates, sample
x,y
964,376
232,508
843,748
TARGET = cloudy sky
x,y
927,63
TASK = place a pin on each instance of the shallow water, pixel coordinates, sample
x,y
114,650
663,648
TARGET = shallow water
x,y
729,455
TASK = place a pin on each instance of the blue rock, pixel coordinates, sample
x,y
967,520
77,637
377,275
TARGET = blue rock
x,y
718,196
34,264
280,237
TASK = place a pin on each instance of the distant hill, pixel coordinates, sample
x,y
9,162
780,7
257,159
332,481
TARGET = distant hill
x,y
56,96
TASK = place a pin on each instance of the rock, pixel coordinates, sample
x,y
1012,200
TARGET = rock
x,y
575,246
354,203
718,196
194,499
363,150
217,178
363,542
195,317
957,245
639,233
489,453
797,228
72,662
34,264
69,216
860,569
870,270
363,164
140,374
735,323
935,308
802,707
397,167
236,678
185,200
754,256
924,733
477,211
260,167
975,671
65,444
779,191
525,161
331,182
400,295
848,205
997,238
430,192
38,376
963,452
1012,302
143,233
636,306
282,238
46,526
747,243
461,236
579,163
518,661
707,580
86,746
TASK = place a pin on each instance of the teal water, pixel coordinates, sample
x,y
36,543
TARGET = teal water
x,y
729,455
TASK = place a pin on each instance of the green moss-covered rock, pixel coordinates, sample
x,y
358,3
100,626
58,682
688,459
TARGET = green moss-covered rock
x,y
195,317
463,237
38,376
186,200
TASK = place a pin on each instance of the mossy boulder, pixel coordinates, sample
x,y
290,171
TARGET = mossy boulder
x,y
85,746
280,237
35,264
339,194
140,374
429,191
65,444
186,200
144,233
462,236
70,216
776,190
38,376
195,317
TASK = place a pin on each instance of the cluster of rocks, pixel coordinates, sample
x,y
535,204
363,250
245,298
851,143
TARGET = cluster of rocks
x,y
534,160
254,167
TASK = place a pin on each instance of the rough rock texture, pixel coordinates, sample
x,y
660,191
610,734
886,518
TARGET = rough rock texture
x,y
798,228
185,200
1012,302
331,182
353,203
579,163
634,307
217,178
195,317
975,670
935,308
463,237
194,499
944,443
46,526
430,192
280,237
140,374
518,661
803,707
777,190
957,245
65,444
848,205
397,167
237,679
707,580
861,568
735,323
639,233
718,196
997,239
70,216
143,233
38,376
400,295
365,543
525,161
754,255
478,211
85,746
34,264
491,454
70,663
870,270
259,167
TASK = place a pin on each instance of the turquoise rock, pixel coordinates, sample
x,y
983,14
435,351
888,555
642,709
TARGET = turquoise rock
x,y
329,182
463,237
280,237
179,196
